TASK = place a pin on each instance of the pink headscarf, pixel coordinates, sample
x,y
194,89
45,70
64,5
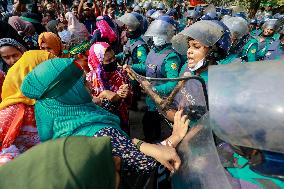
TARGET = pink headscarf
x,y
105,29
97,54
95,59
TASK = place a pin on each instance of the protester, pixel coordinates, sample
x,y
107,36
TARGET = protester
x,y
109,82
77,29
51,26
18,126
10,51
69,95
50,42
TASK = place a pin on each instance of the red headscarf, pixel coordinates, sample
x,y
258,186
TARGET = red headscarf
x,y
105,30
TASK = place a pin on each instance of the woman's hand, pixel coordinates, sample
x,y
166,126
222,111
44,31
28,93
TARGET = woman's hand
x,y
111,96
180,128
168,157
123,91
97,101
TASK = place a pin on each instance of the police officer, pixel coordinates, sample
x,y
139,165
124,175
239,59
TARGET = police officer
x,y
268,41
192,17
254,27
135,50
244,47
137,9
147,6
149,14
162,62
160,6
205,48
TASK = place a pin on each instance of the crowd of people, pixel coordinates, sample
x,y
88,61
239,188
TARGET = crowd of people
x,y
66,72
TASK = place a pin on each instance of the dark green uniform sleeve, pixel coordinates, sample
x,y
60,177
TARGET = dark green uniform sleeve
x,y
119,56
140,67
182,70
251,54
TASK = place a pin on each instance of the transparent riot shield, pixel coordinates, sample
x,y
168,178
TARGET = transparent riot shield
x,y
246,104
201,167
170,95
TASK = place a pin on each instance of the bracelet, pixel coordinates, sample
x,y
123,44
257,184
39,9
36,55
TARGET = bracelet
x,y
139,144
167,142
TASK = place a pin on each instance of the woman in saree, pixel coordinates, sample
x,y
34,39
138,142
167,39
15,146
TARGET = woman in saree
x,y
109,82
18,130
64,107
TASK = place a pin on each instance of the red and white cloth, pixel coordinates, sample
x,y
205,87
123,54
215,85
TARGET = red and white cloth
x,y
18,131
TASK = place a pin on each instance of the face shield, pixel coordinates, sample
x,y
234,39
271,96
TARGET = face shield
x,y
162,29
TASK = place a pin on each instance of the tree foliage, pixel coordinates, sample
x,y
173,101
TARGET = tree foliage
x,y
251,6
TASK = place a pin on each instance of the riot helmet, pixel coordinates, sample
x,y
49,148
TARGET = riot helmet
x,y
137,9
161,6
134,22
241,14
210,13
162,30
213,34
273,24
149,13
238,27
147,5
157,14
172,12
134,5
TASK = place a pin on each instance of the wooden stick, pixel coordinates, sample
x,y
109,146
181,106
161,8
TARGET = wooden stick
x,y
157,99
171,97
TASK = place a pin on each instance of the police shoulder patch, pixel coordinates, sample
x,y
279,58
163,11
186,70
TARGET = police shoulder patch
x,y
174,66
253,51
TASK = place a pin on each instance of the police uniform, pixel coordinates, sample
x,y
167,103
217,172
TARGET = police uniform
x,y
137,50
245,173
270,48
248,54
164,63
255,32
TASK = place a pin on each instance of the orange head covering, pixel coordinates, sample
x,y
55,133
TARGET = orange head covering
x,y
11,89
52,40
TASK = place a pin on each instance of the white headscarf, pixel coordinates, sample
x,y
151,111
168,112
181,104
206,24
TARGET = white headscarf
x,y
75,27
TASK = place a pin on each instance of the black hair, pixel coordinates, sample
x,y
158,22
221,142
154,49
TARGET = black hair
x,y
214,54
